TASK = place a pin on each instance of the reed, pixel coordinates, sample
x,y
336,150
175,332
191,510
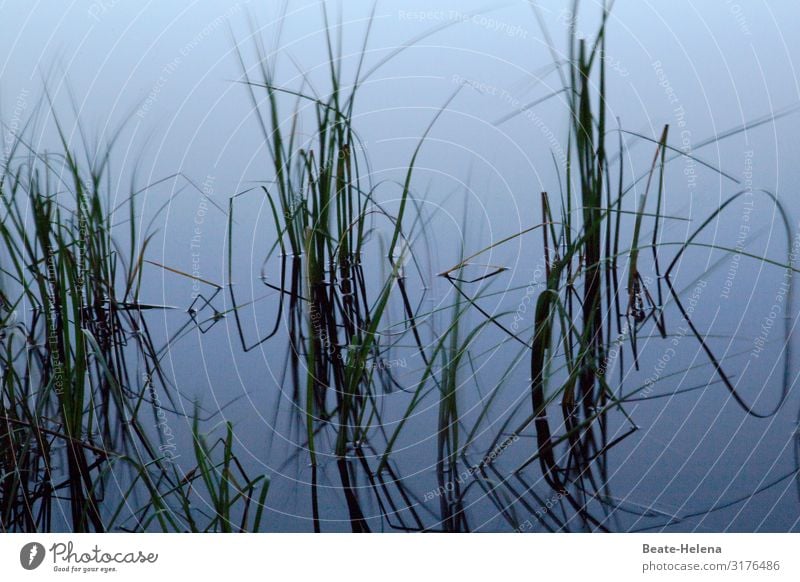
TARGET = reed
x,y
84,391
586,258
81,374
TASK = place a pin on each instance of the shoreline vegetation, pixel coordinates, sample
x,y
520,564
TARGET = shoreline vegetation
x,y
83,378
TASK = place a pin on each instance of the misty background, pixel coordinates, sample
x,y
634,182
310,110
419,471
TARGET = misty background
x,y
166,78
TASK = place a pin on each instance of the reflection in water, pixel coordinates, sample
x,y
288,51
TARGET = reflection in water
x,y
409,397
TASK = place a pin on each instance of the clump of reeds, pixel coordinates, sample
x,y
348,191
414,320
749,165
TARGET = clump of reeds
x,y
584,309
323,213
80,371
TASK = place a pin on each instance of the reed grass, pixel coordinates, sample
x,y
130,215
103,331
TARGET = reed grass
x,y
83,383
81,372
322,212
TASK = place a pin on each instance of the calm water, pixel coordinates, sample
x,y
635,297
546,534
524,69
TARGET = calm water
x,y
696,462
